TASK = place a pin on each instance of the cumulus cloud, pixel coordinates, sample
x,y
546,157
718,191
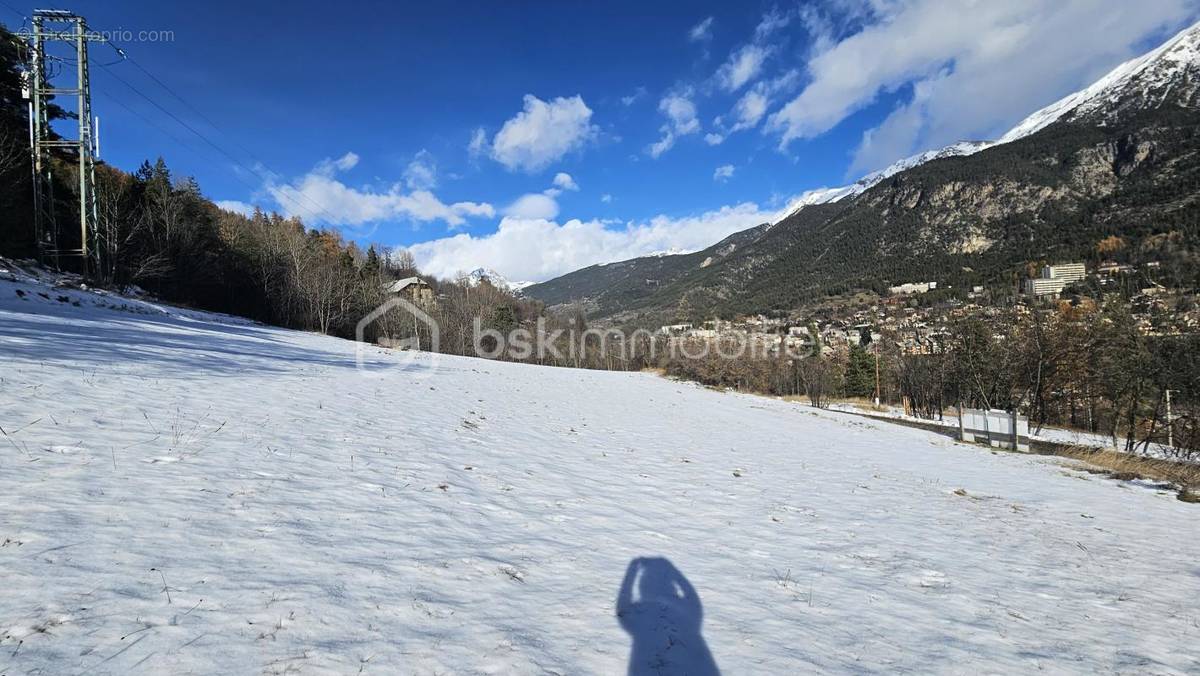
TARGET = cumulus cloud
x,y
750,109
542,133
320,197
533,205
537,249
723,173
701,32
714,139
421,173
971,69
606,198
345,162
564,181
742,67
680,112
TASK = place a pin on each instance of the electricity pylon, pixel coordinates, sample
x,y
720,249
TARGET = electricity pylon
x,y
50,25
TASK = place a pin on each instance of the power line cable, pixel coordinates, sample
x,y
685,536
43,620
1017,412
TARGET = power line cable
x,y
237,162
173,137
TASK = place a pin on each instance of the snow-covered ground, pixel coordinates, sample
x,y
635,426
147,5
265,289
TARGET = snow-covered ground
x,y
184,494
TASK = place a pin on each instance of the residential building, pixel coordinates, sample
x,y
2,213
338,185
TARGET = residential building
x,y
412,289
1054,279
913,287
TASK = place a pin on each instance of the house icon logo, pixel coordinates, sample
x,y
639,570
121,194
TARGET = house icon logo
x,y
412,334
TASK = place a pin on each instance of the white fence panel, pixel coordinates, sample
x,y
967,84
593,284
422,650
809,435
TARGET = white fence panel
x,y
993,427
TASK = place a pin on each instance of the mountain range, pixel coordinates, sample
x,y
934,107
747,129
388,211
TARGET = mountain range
x,y
1116,159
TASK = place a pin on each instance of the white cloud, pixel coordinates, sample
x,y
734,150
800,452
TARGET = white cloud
x,y
534,205
538,249
723,173
479,143
319,197
743,66
681,121
606,198
346,162
750,109
701,32
633,98
662,145
421,173
542,133
681,113
771,22
973,68
236,207
714,139
564,181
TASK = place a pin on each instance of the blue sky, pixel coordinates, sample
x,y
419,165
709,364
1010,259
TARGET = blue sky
x,y
538,138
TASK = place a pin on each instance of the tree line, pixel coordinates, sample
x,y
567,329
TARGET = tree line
x,y
1087,365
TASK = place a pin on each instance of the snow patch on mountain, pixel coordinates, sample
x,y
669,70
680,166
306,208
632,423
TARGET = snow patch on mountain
x,y
673,251
828,195
495,279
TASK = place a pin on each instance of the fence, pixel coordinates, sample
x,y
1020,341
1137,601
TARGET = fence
x,y
994,428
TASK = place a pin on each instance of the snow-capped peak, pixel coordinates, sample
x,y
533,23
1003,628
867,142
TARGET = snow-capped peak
x,y
960,149
1146,80
495,279
1173,68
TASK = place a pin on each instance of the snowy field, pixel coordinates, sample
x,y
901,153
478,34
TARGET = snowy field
x,y
182,494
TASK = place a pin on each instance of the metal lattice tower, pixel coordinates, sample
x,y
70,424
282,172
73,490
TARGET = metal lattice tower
x,y
51,25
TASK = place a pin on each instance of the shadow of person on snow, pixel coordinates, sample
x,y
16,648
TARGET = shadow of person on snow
x,y
661,611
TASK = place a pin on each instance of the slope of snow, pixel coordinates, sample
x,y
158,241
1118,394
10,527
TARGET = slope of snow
x,y
179,494
817,196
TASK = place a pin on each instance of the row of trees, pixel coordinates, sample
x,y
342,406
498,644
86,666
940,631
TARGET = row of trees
x,y
162,234
1086,365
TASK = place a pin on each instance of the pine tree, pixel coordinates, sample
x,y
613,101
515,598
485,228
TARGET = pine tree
x,y
370,269
860,373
